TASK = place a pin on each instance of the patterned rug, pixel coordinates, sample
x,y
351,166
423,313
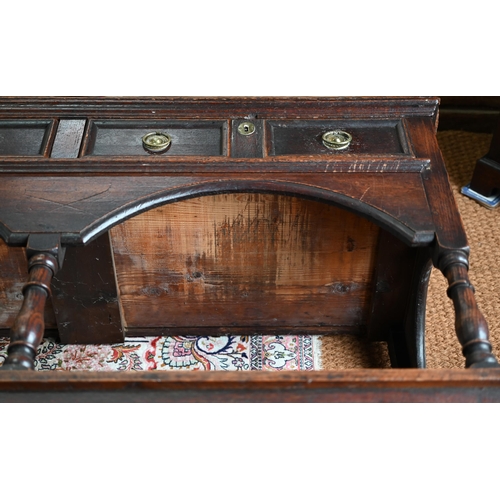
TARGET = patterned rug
x,y
227,353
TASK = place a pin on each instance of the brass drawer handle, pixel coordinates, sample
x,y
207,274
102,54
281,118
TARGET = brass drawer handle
x,y
156,142
336,139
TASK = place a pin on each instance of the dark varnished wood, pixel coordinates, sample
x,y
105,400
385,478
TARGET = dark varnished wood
x,y
162,164
68,139
369,137
471,327
449,231
347,386
121,138
13,275
81,208
292,108
27,332
450,255
401,279
393,175
85,296
247,146
25,137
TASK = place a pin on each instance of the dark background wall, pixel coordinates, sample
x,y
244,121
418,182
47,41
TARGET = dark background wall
x,y
474,114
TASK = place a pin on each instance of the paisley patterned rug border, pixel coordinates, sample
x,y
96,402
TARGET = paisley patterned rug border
x,y
227,353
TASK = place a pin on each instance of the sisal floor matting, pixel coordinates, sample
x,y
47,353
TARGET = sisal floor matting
x,y
461,150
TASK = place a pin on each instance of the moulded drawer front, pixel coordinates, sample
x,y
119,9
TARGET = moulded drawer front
x,y
304,137
124,137
24,137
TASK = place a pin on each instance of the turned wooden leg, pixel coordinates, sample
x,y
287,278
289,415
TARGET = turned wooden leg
x,y
28,329
45,256
471,327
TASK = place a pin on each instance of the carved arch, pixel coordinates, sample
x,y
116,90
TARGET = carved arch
x,y
383,219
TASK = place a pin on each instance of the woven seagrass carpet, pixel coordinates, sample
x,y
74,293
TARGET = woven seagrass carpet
x,y
293,352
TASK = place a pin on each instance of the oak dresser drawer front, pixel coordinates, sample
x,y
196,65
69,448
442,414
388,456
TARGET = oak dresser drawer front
x,y
370,137
24,137
125,138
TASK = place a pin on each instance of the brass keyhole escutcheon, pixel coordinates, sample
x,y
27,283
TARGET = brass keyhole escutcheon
x,y
336,139
156,142
246,128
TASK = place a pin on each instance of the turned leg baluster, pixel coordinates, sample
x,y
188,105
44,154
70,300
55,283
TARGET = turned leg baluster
x,y
45,257
471,327
27,332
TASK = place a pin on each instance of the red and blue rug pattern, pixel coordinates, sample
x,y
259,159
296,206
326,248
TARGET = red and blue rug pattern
x,y
227,353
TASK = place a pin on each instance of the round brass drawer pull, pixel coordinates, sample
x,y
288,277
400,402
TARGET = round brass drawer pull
x,y
246,128
336,139
156,142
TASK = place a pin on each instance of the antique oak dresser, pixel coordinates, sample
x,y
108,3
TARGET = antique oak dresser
x,y
202,216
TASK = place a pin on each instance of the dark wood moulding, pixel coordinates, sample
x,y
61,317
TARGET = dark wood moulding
x,y
219,107
348,386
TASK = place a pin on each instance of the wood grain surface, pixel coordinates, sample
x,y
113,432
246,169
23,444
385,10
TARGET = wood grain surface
x,y
348,386
68,139
245,260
